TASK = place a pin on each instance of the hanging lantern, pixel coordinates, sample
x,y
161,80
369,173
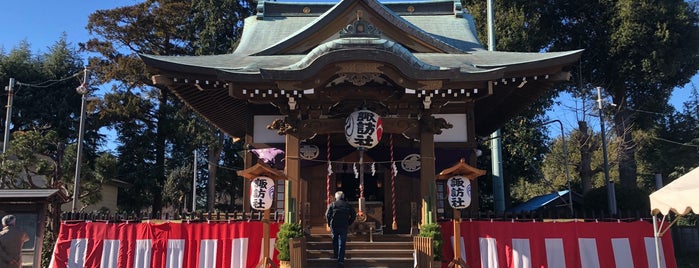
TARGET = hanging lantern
x,y
363,129
261,193
459,192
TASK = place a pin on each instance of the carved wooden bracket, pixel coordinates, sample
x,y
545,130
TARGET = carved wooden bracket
x,y
433,124
288,125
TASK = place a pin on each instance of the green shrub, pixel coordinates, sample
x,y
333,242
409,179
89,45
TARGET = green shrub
x,y
287,231
433,230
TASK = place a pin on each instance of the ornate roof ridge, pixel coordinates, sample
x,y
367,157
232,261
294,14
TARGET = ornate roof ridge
x,y
402,8
333,16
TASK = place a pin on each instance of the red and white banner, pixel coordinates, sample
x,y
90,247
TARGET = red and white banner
x,y
558,244
170,245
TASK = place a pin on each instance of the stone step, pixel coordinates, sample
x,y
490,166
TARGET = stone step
x,y
363,253
362,245
362,262
364,238
385,251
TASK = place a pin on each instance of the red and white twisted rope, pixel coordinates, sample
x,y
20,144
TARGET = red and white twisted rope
x,y
394,226
328,199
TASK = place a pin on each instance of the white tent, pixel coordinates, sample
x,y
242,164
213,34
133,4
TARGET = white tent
x,y
680,197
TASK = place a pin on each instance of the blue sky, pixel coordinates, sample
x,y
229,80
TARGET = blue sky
x,y
42,22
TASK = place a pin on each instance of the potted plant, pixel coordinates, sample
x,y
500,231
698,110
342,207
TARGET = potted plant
x,y
433,230
287,231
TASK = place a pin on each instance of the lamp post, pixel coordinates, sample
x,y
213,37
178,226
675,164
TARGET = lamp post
x,y
82,90
565,160
611,196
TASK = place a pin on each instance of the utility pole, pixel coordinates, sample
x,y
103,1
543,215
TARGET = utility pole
x,y
82,90
495,143
611,195
8,117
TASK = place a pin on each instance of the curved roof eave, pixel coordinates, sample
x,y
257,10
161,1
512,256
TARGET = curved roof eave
x,y
476,60
492,59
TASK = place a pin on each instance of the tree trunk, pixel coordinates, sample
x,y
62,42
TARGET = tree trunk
x,y
160,153
626,149
214,154
587,147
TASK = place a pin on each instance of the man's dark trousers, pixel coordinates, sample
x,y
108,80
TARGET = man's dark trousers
x,y
339,242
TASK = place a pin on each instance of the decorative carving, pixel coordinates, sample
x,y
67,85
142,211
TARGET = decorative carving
x,y
359,67
360,79
360,28
285,126
433,124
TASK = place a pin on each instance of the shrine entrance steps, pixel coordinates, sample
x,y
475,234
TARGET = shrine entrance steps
x,y
382,250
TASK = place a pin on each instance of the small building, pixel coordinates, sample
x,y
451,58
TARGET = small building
x,y
302,68
29,207
108,203
553,202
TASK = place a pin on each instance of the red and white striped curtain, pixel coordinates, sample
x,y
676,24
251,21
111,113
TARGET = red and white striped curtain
x,y
169,244
558,244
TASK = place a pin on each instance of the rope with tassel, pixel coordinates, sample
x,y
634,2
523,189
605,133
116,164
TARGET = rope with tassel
x,y
328,198
394,226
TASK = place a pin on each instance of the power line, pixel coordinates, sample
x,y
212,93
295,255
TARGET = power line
x,y
675,142
51,81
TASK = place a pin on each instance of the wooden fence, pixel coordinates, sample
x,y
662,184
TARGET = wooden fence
x,y
423,252
297,252
183,216
586,215
279,216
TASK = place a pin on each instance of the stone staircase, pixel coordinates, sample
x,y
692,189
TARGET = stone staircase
x,y
383,250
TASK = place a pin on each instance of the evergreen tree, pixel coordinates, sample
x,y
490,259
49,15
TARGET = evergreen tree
x,y
520,26
670,148
46,114
638,51
160,141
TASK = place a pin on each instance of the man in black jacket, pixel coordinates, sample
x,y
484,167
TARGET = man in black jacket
x,y
339,216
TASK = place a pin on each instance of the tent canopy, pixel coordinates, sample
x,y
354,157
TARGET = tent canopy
x,y
679,196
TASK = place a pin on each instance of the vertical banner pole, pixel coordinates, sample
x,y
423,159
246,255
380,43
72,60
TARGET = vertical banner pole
x,y
266,261
457,261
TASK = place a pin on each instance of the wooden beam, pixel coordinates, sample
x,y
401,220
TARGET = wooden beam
x,y
404,126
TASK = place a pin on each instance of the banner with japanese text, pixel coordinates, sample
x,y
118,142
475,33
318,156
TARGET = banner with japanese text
x,y
168,245
557,244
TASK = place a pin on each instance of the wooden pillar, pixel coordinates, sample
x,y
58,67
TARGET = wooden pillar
x,y
292,205
472,160
427,171
247,162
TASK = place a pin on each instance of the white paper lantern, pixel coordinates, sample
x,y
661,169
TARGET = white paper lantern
x,y
363,129
459,192
261,193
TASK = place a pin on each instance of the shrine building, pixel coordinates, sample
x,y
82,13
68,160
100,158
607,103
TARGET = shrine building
x,y
309,79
